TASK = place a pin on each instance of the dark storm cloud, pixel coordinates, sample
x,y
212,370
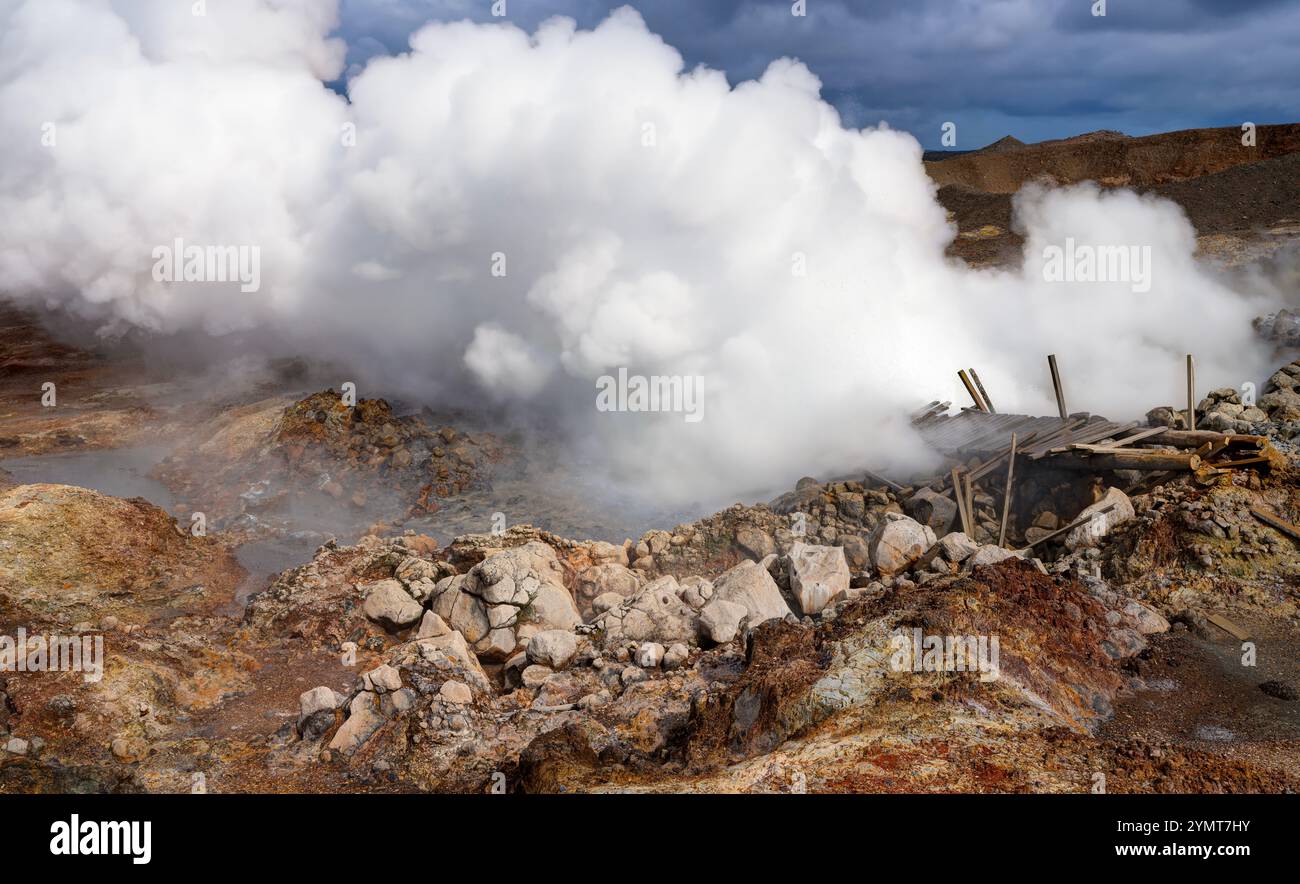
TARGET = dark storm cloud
x,y
1033,68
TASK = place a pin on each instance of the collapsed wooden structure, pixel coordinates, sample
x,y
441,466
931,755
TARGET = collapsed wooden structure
x,y
981,442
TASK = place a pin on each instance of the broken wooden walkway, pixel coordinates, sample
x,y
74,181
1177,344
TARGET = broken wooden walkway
x,y
977,440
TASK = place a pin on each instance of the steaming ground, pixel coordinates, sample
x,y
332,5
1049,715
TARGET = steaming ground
x,y
498,218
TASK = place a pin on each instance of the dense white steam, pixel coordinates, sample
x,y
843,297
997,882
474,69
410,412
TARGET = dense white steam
x,y
506,216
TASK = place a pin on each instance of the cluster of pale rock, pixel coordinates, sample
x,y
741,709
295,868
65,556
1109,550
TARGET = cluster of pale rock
x,y
514,609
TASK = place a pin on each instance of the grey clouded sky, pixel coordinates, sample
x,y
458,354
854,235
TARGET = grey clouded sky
x,y
1035,69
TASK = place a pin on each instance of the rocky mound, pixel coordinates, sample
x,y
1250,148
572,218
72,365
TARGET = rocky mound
x,y
108,604
69,555
257,462
492,671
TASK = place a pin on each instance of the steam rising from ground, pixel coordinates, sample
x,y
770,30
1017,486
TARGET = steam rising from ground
x,y
648,217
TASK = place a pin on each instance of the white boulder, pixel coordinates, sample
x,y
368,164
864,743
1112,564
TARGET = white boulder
x,y
599,580
389,605
656,613
750,586
991,554
1099,524
818,575
720,620
505,598
957,547
364,718
553,647
897,542
456,692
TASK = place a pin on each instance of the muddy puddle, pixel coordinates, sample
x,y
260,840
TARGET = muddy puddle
x,y
1195,690
120,472
554,500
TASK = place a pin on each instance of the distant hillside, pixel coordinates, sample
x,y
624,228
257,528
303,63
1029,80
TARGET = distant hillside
x,y
1223,186
937,156
1112,158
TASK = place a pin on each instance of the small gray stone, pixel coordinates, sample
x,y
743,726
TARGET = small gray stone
x,y
676,656
553,647
382,679
388,604
649,654
533,676
957,547
456,692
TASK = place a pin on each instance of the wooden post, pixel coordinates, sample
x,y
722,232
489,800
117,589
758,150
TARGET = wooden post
x,y
970,504
1006,495
1056,385
974,394
983,393
1191,392
961,501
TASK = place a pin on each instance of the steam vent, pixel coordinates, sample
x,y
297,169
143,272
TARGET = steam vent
x,y
405,400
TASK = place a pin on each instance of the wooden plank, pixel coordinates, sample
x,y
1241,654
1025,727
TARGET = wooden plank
x,y
1238,464
922,412
1228,626
1089,435
997,461
974,394
1006,494
1047,436
881,480
1273,520
931,412
1092,433
1064,434
983,394
951,432
1070,527
1052,436
1001,428
1191,392
1213,449
970,504
1128,441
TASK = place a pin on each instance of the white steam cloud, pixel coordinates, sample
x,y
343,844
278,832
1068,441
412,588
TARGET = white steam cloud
x,y
505,216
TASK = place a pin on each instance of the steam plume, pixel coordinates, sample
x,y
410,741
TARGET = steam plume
x,y
643,215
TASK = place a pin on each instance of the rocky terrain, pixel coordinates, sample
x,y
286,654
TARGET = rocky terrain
x,y
777,647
